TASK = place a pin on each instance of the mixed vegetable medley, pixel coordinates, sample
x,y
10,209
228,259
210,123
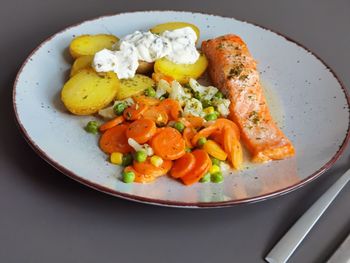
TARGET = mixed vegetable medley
x,y
159,121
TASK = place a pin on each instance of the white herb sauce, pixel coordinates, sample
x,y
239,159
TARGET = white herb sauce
x,y
179,46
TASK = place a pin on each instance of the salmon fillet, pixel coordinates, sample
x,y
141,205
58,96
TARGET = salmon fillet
x,y
233,70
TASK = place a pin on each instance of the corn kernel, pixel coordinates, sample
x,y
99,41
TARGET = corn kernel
x,y
156,161
116,158
209,110
214,169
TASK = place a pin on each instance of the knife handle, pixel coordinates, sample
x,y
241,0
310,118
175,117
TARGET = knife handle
x,y
283,250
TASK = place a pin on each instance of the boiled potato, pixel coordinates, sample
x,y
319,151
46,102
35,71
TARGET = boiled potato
x,y
81,63
87,91
134,86
144,67
158,29
87,45
181,72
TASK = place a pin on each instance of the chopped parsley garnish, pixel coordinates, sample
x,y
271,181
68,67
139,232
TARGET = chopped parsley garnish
x,y
243,77
235,71
254,117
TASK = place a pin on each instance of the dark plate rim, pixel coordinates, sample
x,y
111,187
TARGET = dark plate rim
x,y
168,203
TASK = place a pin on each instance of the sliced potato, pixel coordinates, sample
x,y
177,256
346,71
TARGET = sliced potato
x,y
158,29
181,72
87,92
81,63
144,67
134,86
87,45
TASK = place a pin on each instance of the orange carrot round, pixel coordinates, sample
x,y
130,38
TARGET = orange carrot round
x,y
158,76
139,177
221,123
218,137
158,115
172,108
141,130
205,133
134,112
148,168
115,140
228,136
233,148
201,166
183,165
110,124
188,134
168,144
195,121
149,101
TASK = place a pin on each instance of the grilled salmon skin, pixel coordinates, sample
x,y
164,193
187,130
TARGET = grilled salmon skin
x,y
233,70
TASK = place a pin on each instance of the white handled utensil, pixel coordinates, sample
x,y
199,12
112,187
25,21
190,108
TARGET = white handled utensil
x,y
291,240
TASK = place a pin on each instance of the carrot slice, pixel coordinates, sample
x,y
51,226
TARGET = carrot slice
x,y
172,108
139,177
110,124
141,130
115,140
206,132
188,134
146,100
195,121
228,137
183,165
201,166
221,123
168,144
218,137
214,149
134,112
148,168
185,122
216,129
158,76
237,155
233,148
159,116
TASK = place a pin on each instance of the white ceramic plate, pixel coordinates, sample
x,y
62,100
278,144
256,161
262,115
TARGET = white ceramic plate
x,y
305,96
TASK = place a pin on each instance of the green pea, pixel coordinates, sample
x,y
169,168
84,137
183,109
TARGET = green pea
x,y
119,108
197,95
128,177
211,116
187,86
215,161
127,159
217,177
140,156
150,92
206,103
201,141
206,178
219,95
92,127
179,126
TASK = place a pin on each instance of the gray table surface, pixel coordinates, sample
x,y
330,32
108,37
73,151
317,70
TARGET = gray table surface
x,y
47,217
